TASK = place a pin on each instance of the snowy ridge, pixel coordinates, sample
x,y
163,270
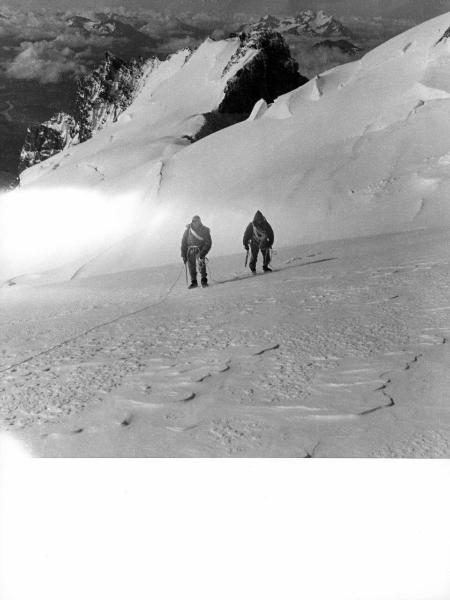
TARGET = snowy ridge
x,y
101,97
360,150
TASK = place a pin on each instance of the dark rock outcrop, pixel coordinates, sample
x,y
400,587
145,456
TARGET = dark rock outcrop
x,y
100,98
269,74
44,140
444,36
105,93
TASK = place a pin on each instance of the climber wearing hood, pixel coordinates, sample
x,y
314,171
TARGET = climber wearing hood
x,y
259,236
195,245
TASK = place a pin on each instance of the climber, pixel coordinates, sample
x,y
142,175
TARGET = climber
x,y
259,236
195,245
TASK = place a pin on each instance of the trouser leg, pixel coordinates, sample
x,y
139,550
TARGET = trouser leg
x,y
192,260
254,248
202,269
265,251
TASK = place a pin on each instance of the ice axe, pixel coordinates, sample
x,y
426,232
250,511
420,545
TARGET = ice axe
x,y
246,258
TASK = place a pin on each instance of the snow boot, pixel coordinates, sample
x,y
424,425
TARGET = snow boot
x,y
193,285
253,271
204,283
267,269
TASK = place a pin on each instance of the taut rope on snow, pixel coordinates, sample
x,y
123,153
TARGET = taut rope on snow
x,y
208,268
95,327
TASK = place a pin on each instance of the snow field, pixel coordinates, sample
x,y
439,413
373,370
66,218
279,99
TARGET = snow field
x,y
314,359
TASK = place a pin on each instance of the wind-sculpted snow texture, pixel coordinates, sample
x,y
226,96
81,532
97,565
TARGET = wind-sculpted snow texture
x,y
341,351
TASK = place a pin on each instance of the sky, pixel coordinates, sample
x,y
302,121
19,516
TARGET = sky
x,y
386,8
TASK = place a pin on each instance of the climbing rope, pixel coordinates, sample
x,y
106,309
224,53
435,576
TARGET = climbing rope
x,y
95,327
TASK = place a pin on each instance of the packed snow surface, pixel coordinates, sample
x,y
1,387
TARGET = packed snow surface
x,y
360,150
341,351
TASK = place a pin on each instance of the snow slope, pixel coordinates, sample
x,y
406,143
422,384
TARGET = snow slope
x,y
360,150
341,351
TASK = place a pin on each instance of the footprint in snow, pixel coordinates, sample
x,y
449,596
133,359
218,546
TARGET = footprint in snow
x,y
127,421
263,350
202,378
177,429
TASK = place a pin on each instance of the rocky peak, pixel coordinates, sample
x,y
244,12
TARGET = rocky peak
x,y
261,68
101,97
104,94
109,26
444,36
268,21
48,138
271,72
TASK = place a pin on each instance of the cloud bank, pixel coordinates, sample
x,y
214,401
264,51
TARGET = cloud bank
x,y
45,47
45,61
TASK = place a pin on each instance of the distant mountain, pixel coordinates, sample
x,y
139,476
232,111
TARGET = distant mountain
x,y
307,22
112,27
175,27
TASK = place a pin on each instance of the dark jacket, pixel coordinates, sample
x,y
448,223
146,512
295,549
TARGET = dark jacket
x,y
259,230
203,241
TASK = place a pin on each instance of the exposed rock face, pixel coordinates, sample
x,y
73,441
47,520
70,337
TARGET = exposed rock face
x,y
271,72
100,98
105,93
445,36
46,139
